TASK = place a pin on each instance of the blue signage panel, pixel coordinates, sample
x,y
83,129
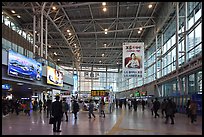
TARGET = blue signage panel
x,y
23,67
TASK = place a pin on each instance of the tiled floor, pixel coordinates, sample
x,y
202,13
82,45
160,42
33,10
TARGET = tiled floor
x,y
119,122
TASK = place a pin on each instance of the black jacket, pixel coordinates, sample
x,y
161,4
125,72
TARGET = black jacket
x,y
75,107
57,109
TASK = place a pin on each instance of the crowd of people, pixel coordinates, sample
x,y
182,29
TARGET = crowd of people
x,y
167,106
59,108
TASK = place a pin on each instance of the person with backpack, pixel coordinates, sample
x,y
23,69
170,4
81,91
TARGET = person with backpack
x,y
75,108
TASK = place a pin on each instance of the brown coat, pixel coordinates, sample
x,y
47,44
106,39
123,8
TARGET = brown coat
x,y
193,108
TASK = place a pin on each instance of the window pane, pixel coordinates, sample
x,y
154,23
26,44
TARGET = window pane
x,y
191,82
198,34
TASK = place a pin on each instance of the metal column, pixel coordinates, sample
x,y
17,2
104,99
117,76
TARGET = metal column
x,y
34,24
41,34
46,39
177,42
106,76
92,77
185,31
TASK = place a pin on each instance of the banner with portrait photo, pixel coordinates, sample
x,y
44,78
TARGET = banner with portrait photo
x,y
133,59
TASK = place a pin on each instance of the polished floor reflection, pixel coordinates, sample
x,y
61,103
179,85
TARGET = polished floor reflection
x,y
119,122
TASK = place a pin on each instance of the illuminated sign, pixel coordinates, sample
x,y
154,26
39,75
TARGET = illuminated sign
x,y
54,77
23,67
137,94
99,93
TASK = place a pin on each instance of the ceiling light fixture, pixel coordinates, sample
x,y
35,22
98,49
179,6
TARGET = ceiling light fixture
x,y
70,34
58,59
19,16
104,9
68,30
54,8
103,55
139,32
150,6
105,44
100,61
20,84
55,53
2,12
106,32
49,46
29,88
106,29
104,3
140,28
13,11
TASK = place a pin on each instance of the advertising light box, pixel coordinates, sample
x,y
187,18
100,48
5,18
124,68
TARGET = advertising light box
x,y
54,77
23,67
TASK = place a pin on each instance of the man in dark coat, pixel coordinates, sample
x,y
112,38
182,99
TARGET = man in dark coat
x,y
56,112
135,104
156,106
170,110
75,108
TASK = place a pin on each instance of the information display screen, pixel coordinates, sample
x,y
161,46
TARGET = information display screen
x,y
99,93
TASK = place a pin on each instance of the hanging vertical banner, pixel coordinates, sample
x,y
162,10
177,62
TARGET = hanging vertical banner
x,y
133,59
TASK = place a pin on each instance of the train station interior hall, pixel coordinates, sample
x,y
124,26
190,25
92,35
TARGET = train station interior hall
x,y
101,68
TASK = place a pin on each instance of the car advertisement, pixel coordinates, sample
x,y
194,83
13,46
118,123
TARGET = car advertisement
x,y
23,67
54,77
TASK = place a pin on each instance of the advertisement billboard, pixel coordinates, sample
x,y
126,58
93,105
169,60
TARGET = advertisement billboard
x,y
23,67
54,77
133,59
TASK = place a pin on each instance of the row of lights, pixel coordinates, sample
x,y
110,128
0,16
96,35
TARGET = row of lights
x,y
104,9
139,31
104,6
13,11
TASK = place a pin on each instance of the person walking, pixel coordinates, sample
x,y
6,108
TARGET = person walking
x,y
40,105
193,111
65,108
163,108
116,102
152,106
27,107
16,107
129,104
135,104
48,105
101,108
187,107
91,109
143,105
156,106
75,108
170,111
56,112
